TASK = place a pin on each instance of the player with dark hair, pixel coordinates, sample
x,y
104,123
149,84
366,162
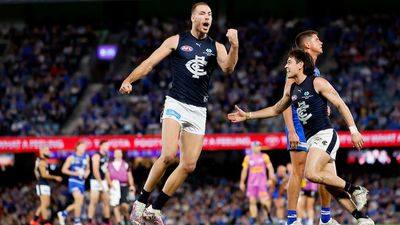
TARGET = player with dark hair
x,y
310,95
99,184
193,55
309,42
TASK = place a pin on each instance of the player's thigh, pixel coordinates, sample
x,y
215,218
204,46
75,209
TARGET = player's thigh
x,y
94,196
170,136
316,160
45,200
105,197
252,200
124,207
310,202
192,144
331,167
279,202
265,200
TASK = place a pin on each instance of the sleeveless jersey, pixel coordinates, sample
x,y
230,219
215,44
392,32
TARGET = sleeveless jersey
x,y
103,166
78,164
256,164
191,65
296,121
311,107
38,175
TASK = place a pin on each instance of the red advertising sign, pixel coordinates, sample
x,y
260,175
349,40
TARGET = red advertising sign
x,y
211,142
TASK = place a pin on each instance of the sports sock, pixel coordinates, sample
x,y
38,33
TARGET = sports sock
x,y
291,216
160,201
144,196
325,214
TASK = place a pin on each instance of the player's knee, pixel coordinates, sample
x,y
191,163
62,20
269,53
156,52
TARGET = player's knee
x,y
167,158
188,167
299,173
311,176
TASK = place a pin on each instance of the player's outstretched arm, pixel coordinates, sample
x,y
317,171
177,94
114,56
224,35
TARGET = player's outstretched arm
x,y
147,65
271,111
324,88
227,61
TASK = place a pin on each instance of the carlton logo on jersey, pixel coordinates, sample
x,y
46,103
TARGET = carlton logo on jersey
x,y
196,66
302,112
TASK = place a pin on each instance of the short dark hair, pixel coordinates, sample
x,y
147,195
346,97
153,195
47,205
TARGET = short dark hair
x,y
299,41
102,142
197,4
302,56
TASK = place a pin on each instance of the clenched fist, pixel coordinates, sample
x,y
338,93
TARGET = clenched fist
x,y
232,36
125,88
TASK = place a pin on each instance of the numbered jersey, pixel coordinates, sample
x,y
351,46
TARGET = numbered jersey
x,y
311,107
191,65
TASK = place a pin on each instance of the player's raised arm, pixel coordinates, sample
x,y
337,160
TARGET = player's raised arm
x,y
227,61
271,111
147,65
324,88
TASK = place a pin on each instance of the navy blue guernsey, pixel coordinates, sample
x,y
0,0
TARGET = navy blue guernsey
x,y
311,107
38,174
103,166
191,65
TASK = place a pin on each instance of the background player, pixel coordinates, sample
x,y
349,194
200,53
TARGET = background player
x,y
43,189
256,166
120,174
194,55
279,184
307,202
77,167
99,183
